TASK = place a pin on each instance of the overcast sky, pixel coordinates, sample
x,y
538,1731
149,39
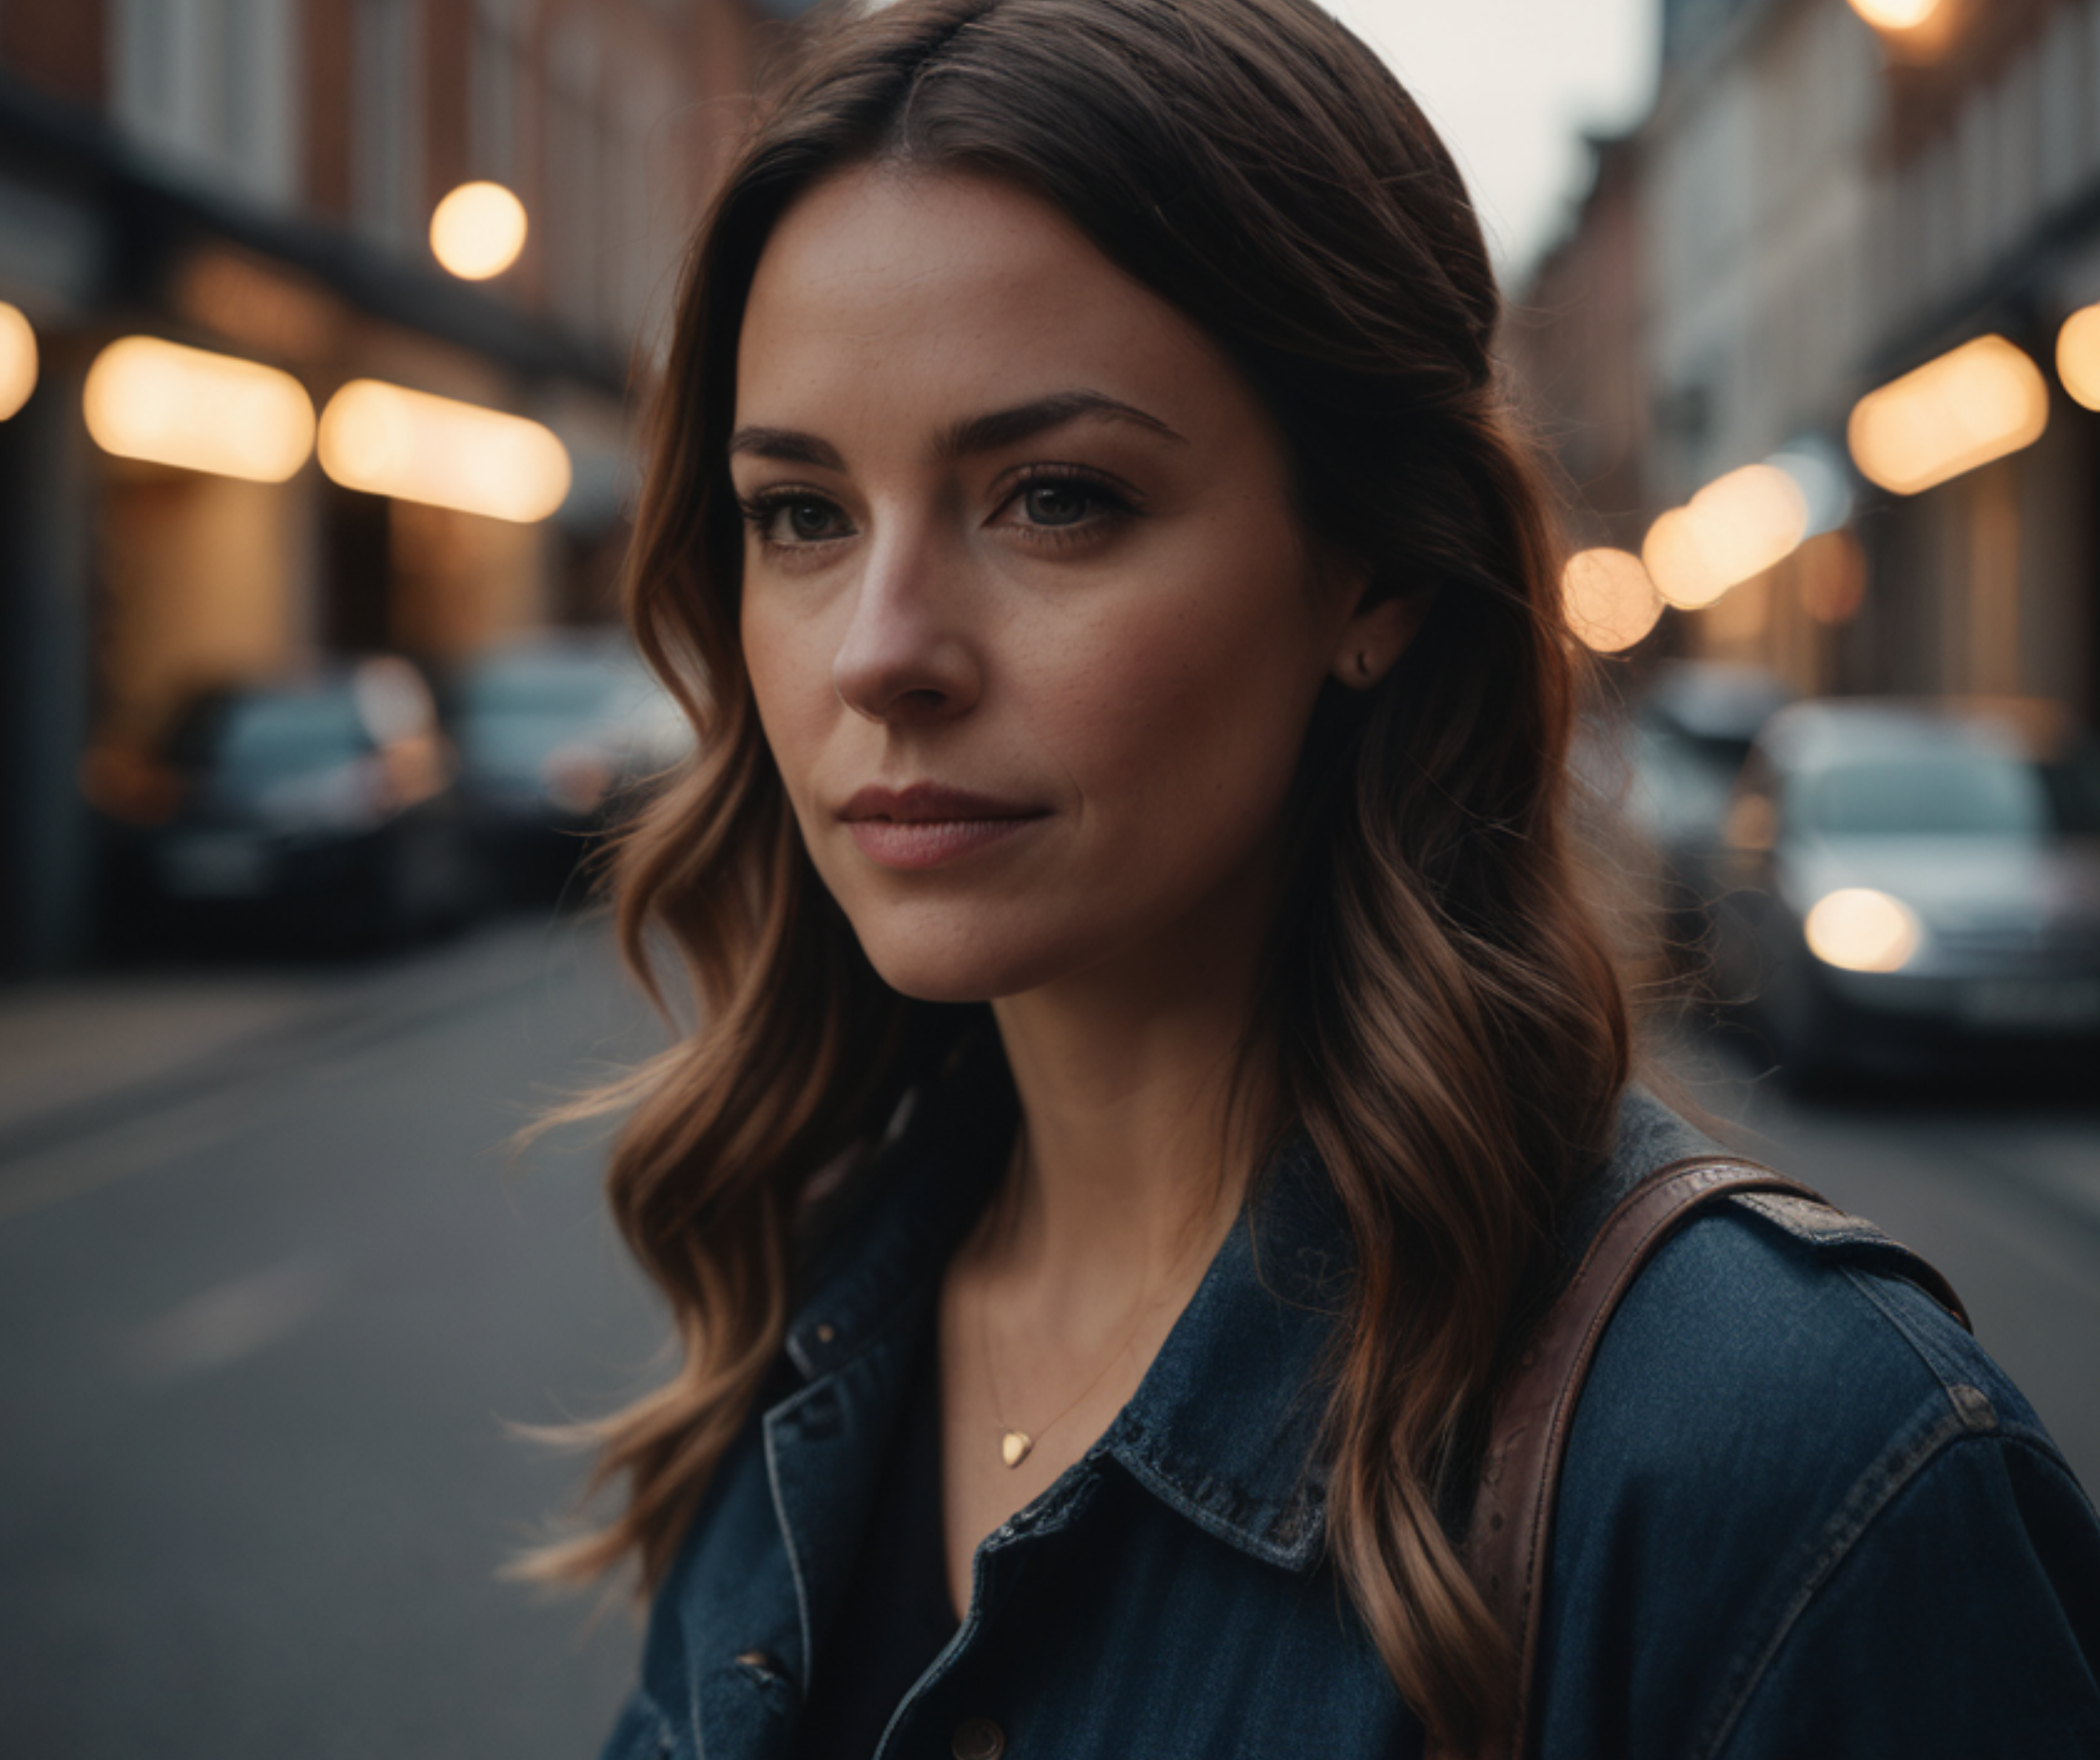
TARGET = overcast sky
x,y
1512,84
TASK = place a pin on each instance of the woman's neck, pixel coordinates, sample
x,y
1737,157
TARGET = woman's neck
x,y
1135,1150
1137,1136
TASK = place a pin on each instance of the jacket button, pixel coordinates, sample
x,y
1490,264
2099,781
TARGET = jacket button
x,y
977,1739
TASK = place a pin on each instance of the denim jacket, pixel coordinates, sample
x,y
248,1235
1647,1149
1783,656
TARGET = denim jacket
x,y
1802,1513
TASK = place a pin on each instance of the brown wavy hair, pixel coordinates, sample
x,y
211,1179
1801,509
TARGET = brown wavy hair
x,y
1441,1014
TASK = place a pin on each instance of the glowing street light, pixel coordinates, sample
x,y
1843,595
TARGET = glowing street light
x,y
477,231
1611,602
1985,400
146,398
1732,531
18,360
2078,356
386,440
1896,15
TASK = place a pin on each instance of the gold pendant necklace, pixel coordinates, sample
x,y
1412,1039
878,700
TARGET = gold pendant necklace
x,y
1015,1445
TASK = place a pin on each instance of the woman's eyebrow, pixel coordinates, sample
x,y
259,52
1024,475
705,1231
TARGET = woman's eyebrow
x,y
1006,427
976,434
787,446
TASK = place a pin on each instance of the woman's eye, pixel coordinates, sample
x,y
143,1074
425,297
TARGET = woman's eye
x,y
1058,503
796,520
811,520
1048,504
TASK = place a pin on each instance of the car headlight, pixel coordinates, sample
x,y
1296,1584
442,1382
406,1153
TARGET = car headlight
x,y
1858,929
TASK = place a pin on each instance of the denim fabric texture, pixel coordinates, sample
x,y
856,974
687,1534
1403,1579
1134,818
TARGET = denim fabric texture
x,y
1802,1513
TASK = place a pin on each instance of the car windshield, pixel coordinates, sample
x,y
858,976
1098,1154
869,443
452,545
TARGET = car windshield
x,y
263,741
1954,793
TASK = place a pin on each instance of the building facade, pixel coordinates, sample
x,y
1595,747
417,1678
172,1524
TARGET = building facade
x,y
1574,341
1821,207
255,179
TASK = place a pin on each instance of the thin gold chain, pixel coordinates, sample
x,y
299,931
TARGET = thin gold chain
x,y
991,1379
1028,1439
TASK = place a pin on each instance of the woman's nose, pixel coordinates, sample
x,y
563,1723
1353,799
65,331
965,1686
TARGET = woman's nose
x,y
907,654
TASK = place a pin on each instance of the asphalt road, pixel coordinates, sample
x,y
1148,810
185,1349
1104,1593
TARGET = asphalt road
x,y
263,1324
258,1351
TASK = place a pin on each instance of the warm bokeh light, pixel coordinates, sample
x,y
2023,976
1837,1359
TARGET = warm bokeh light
x,y
147,398
1612,603
1734,529
386,440
477,231
1896,15
2078,356
1982,402
1676,562
18,360
1860,930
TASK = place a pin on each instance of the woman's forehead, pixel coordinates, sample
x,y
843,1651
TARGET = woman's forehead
x,y
933,298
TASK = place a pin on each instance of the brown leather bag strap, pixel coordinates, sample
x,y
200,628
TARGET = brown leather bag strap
x,y
1508,1542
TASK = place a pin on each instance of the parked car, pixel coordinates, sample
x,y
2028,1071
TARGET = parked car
x,y
1692,732
557,735
325,806
1916,884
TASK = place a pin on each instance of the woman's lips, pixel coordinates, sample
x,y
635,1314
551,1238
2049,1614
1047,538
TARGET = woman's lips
x,y
925,826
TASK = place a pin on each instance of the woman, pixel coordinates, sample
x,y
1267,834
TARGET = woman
x,y
1156,1063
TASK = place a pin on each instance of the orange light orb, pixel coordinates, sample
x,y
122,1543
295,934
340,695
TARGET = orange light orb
x,y
18,360
2078,356
1732,531
386,439
1896,15
1611,601
1981,401
477,231
159,401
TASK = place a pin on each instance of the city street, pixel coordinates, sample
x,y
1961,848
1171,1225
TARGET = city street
x,y
266,1313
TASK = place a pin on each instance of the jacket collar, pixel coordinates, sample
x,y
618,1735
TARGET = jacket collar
x,y
1225,1427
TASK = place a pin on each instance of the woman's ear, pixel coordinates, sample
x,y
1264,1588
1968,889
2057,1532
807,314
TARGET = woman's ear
x,y
1378,634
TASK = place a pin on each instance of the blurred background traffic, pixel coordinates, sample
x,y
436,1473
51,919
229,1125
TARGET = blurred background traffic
x,y
323,326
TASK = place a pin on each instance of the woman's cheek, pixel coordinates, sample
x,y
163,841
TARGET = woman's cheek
x,y
1187,707
790,686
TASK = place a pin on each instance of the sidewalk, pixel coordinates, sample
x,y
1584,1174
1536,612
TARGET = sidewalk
x,y
77,1054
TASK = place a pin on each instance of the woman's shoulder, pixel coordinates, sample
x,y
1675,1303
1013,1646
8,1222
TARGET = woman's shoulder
x,y
1768,1322
1761,1340
1795,1486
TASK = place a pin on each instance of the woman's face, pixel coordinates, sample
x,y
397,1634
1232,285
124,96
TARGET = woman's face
x,y
1033,630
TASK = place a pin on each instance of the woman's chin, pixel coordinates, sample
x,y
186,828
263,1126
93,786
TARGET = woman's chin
x,y
958,970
